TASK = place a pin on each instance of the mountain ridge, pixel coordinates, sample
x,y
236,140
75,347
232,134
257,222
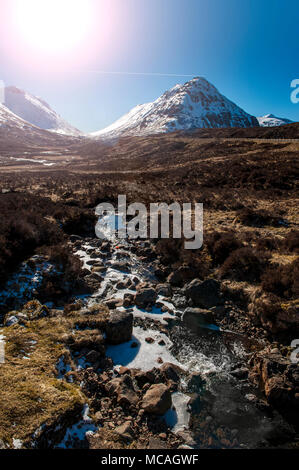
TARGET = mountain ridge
x,y
37,112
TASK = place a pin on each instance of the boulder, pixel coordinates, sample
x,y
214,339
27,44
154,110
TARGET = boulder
x,y
122,266
278,378
196,318
178,277
119,328
171,371
205,294
145,297
123,388
114,303
164,290
157,400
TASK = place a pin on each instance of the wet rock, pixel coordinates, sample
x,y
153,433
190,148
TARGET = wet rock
x,y
194,404
195,318
240,373
145,297
205,294
157,400
195,383
171,372
119,328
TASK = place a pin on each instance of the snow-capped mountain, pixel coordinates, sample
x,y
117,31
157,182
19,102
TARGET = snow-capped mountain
x,y
37,112
269,120
9,120
196,104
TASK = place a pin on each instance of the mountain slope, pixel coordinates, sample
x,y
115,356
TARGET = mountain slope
x,y
9,120
269,120
196,104
36,111
18,135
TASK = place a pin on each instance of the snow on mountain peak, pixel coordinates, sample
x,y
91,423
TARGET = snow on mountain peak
x,y
269,120
36,111
195,104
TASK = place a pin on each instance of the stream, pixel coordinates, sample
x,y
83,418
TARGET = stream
x,y
219,393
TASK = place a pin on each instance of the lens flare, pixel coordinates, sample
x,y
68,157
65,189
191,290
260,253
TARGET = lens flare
x,y
54,25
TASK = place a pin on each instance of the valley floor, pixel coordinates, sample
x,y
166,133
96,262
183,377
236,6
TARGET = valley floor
x,y
143,344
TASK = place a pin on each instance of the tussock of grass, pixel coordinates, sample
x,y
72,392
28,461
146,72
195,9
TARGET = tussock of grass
x,y
33,400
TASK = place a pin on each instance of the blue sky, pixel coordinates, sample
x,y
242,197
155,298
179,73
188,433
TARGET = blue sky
x,y
249,49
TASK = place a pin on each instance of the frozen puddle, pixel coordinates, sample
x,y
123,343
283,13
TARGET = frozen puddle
x,y
145,355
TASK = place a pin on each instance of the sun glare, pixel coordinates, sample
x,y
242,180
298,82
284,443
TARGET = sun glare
x,y
54,25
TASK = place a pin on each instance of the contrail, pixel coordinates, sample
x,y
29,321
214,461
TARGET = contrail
x,y
149,74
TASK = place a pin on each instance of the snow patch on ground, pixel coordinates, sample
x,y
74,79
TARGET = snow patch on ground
x,y
79,431
21,284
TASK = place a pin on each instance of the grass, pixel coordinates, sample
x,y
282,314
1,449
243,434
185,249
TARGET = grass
x,y
33,399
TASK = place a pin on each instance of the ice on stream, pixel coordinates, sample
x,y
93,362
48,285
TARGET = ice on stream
x,y
145,356
177,418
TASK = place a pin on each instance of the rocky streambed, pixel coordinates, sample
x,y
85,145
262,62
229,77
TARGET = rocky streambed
x,y
153,364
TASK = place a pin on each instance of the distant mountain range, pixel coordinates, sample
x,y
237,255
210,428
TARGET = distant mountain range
x,y
195,105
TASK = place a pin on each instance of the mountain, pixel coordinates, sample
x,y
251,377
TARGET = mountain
x,y
269,120
37,112
9,120
18,135
196,104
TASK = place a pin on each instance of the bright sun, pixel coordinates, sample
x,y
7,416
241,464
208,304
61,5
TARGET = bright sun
x,y
54,25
